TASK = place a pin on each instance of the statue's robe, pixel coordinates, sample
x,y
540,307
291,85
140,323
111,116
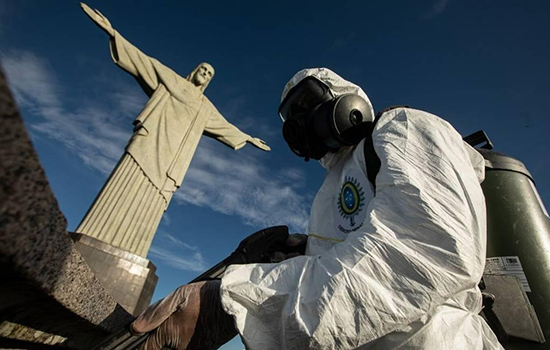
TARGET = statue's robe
x,y
128,209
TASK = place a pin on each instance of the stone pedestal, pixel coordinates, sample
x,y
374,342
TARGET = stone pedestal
x,y
129,278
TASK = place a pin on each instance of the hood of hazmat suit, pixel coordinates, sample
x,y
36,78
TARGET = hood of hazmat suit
x,y
398,268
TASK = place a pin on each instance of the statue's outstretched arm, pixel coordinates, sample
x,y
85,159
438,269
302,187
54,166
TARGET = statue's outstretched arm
x,y
128,57
98,18
222,130
259,143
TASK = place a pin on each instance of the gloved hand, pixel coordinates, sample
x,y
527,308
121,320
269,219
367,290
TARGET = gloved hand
x,y
191,317
296,243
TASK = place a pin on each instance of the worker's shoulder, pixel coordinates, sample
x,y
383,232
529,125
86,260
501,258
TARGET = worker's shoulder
x,y
390,108
408,115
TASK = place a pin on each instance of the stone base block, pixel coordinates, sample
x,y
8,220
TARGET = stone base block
x,y
129,278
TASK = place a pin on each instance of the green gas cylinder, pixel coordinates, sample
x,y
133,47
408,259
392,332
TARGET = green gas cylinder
x,y
518,225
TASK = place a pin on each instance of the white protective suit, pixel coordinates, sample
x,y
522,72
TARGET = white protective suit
x,y
395,269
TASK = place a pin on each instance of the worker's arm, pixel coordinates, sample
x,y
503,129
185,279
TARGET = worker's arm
x,y
191,317
422,242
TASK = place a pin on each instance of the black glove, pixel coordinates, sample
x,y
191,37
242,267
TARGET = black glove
x,y
296,245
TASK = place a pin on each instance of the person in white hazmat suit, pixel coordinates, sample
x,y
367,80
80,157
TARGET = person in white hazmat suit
x,y
392,263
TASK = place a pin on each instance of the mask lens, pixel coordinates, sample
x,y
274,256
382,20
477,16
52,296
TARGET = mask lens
x,y
303,97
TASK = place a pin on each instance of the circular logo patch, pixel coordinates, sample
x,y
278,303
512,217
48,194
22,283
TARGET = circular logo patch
x,y
351,202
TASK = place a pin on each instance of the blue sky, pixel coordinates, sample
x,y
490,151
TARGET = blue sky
x,y
478,64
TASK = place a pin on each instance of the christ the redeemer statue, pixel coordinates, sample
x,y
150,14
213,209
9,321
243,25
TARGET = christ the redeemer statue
x,y
127,211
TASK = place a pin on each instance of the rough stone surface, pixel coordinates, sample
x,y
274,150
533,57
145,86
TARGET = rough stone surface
x,y
46,285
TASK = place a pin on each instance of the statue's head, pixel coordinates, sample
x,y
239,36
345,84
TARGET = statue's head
x,y
201,76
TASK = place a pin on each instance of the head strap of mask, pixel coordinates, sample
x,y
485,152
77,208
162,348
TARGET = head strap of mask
x,y
316,121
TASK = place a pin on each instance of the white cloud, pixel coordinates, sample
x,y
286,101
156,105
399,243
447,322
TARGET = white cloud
x,y
176,253
295,176
30,79
226,181
166,219
195,262
94,130
438,7
235,183
167,238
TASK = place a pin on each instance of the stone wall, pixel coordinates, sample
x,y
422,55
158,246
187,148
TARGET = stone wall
x,y
48,294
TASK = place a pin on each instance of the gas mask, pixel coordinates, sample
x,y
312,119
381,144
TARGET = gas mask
x,y
316,122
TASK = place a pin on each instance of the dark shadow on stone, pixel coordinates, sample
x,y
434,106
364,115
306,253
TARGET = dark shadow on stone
x,y
7,343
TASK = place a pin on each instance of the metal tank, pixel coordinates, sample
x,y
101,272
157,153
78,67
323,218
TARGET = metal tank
x,y
518,225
